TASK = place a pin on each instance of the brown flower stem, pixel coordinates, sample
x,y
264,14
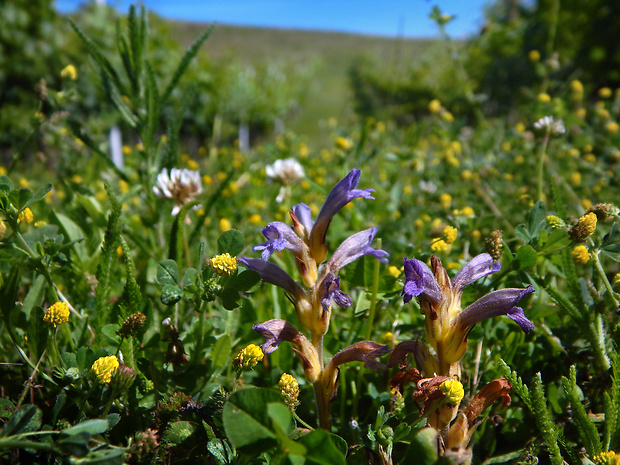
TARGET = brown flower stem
x,y
322,404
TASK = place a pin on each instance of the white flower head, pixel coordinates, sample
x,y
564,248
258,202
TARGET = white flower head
x,y
550,126
427,186
180,185
286,171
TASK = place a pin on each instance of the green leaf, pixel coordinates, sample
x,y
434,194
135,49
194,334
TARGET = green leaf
x,y
321,449
423,448
27,418
110,331
167,272
246,421
6,185
526,257
34,296
189,56
230,299
612,237
90,427
20,197
171,294
587,431
39,194
231,241
74,233
246,281
221,351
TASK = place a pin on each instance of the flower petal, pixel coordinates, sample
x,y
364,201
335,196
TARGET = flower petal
x,y
342,193
501,302
275,331
330,289
478,267
273,274
279,237
419,279
303,214
354,247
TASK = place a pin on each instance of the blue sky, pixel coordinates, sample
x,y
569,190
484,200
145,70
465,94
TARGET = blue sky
x,y
387,17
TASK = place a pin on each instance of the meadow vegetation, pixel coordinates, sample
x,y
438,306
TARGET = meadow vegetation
x,y
231,246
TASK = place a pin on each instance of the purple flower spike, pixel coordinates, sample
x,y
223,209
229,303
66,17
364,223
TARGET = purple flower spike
x,y
447,324
342,193
279,237
354,247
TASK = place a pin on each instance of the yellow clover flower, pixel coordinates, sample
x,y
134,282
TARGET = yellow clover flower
x,y
223,264
580,255
69,72
104,367
249,356
57,314
289,388
25,216
453,390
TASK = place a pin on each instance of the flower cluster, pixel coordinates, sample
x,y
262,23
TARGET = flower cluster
x,y
104,368
223,264
182,186
249,357
57,314
319,287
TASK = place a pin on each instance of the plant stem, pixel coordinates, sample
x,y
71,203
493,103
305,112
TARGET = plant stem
x,y
601,272
541,166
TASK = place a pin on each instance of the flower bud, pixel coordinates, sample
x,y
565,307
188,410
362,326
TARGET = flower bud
x,y
122,378
494,245
132,324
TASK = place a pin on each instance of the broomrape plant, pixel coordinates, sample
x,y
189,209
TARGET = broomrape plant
x,y
319,287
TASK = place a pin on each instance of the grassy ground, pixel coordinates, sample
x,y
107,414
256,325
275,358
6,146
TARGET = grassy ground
x,y
333,54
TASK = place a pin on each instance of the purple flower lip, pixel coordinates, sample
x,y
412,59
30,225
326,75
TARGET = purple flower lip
x,y
273,274
354,247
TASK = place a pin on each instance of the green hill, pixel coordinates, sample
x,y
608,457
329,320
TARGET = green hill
x,y
329,96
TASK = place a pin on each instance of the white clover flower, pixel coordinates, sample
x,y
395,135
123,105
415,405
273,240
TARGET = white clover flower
x,y
286,171
427,186
550,126
180,185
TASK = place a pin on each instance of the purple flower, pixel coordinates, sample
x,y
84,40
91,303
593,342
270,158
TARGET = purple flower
x,y
447,324
276,331
354,247
273,274
306,236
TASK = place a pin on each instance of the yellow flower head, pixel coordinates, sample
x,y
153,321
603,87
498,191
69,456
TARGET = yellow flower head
x,y
576,87
612,127
69,72
289,388
580,255
606,458
584,228
449,234
223,264
555,222
543,98
434,106
453,390
104,367
343,143
604,92
249,356
225,225
394,271
57,314
445,200
534,56
25,216
439,246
